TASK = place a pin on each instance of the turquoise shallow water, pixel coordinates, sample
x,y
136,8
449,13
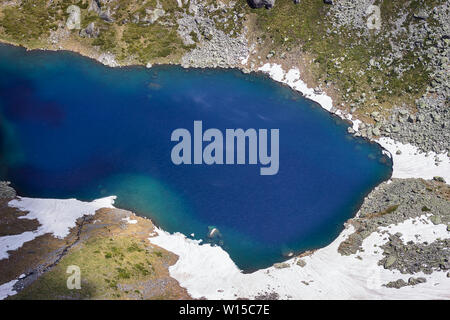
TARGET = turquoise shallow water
x,y
71,127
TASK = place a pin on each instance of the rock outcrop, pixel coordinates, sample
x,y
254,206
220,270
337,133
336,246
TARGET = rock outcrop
x,y
261,3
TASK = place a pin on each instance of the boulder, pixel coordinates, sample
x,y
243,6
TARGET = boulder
x,y
397,284
95,6
421,15
390,261
255,4
106,15
413,281
439,179
436,220
301,263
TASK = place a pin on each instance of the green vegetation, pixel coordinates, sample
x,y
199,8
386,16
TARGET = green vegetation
x,y
342,58
109,270
36,21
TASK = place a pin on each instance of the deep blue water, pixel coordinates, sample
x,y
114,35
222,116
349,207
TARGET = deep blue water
x,y
71,127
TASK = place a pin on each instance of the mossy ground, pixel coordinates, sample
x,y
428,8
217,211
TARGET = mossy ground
x,y
114,268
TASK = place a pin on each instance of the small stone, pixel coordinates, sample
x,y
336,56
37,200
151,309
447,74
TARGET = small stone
x,y
439,179
421,15
282,265
397,284
390,261
436,220
376,132
413,281
301,263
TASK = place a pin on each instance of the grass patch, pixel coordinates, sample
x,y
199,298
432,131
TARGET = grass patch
x,y
105,265
388,210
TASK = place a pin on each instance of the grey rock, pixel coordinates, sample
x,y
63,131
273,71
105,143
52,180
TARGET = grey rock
x,y
95,6
90,31
256,4
390,261
397,284
421,14
106,15
6,192
376,131
436,219
439,179
301,263
282,265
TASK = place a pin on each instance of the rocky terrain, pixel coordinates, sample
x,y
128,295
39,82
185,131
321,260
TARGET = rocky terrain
x,y
396,202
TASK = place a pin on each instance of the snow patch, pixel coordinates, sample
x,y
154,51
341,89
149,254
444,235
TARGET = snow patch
x,y
55,216
7,289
